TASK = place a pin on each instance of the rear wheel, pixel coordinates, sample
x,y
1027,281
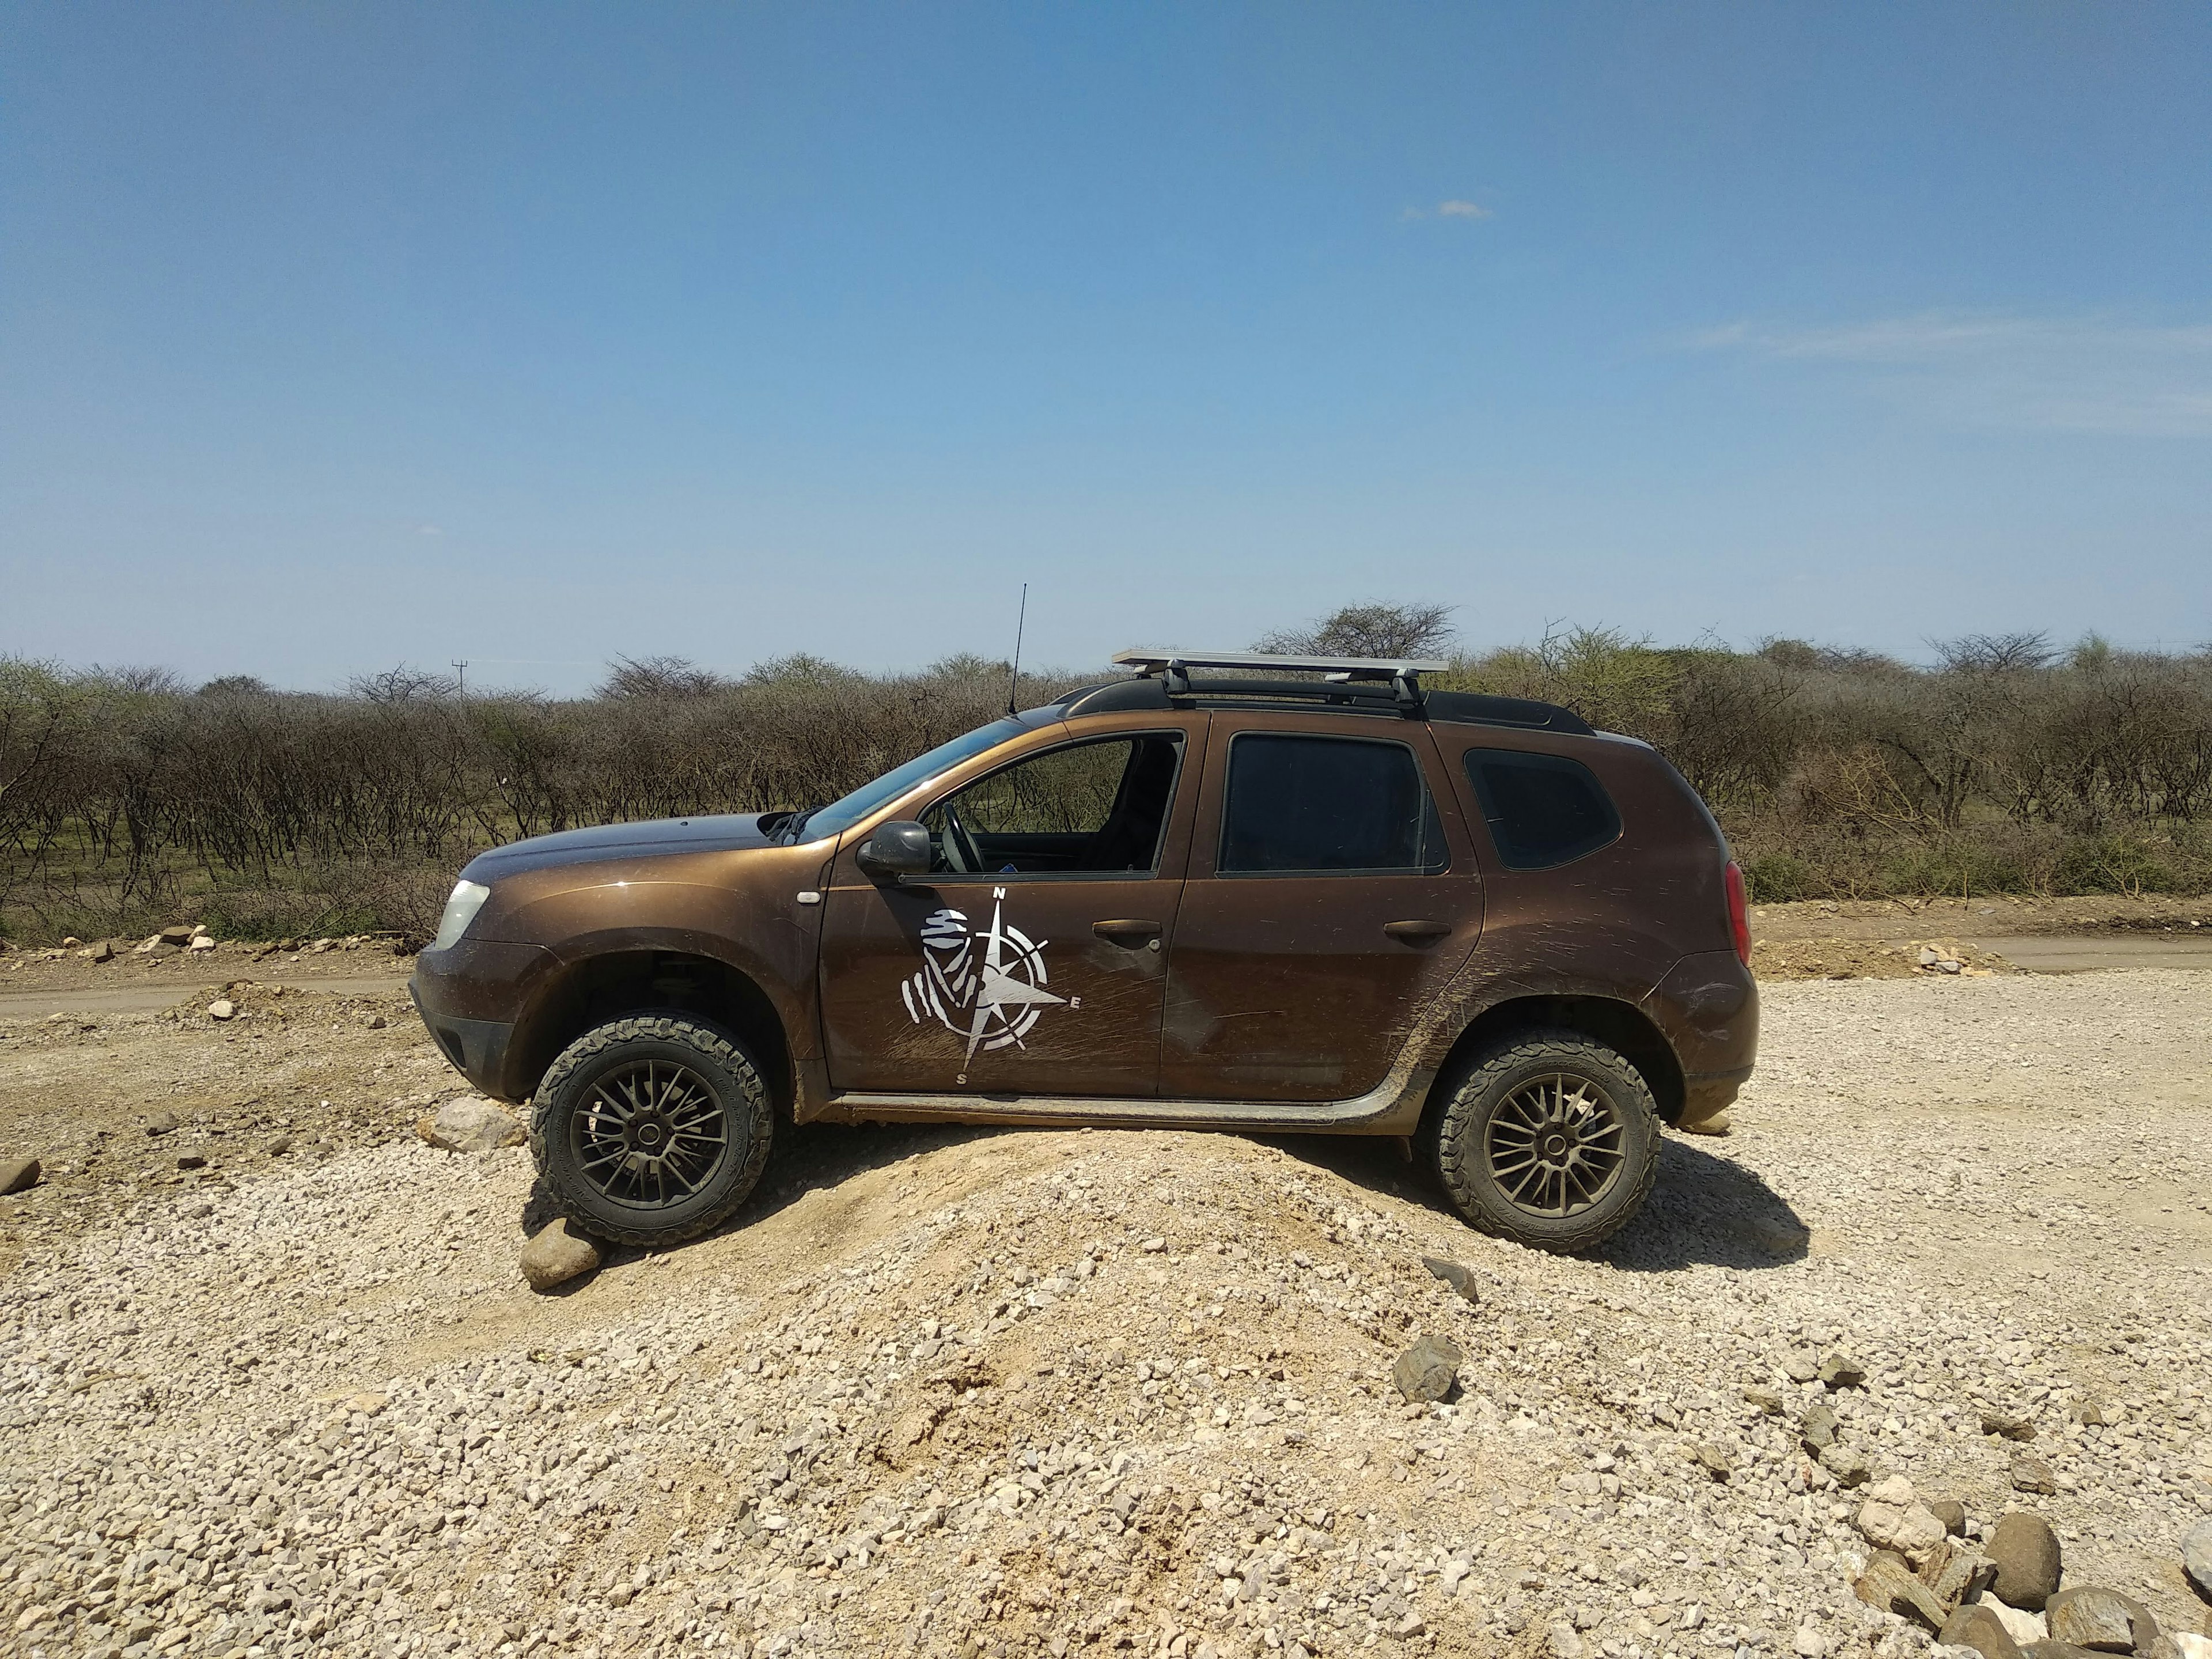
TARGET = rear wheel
x,y
1550,1139
652,1129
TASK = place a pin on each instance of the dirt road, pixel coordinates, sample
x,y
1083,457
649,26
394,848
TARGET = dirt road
x,y
956,1393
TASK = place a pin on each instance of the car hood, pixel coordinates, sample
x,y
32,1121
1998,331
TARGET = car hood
x,y
721,833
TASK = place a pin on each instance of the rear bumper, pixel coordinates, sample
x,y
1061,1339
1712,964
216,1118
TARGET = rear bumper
x,y
1708,1006
471,998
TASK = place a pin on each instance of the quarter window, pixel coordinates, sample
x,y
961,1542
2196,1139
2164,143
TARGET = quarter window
x,y
1327,806
1543,809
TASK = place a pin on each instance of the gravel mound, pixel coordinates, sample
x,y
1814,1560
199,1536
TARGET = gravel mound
x,y
959,1392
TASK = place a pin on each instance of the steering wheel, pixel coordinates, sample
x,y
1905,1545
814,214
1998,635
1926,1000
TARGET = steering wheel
x,y
959,846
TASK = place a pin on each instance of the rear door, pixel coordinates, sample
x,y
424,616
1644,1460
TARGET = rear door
x,y
1033,958
1332,891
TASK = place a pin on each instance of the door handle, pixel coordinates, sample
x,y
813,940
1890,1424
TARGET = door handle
x,y
1416,932
1129,935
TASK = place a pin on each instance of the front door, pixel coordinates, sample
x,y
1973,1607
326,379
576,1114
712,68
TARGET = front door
x,y
1331,892
1032,959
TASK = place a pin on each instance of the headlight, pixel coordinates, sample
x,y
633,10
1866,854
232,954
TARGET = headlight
x,y
461,909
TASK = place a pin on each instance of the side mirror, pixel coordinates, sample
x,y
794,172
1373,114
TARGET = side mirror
x,y
897,850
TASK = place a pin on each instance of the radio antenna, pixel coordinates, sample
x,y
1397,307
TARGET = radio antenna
x,y
1020,621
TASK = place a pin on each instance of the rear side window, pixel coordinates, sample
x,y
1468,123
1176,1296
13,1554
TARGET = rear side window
x,y
1543,809
1328,806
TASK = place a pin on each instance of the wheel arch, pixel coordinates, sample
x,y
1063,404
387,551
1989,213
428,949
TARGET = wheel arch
x,y
605,986
1621,1026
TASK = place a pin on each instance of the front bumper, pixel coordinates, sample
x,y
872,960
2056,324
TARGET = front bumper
x,y
471,997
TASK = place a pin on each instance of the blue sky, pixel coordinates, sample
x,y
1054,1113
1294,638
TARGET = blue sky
x,y
334,335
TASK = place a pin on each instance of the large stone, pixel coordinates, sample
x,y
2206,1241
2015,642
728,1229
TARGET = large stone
x,y
1888,1584
1818,1427
2197,1558
1839,1370
1952,1513
1978,1628
2025,1551
2093,1618
1429,1370
2048,1649
2032,1473
1892,1519
2189,1645
1956,1571
18,1174
1459,1279
558,1255
2023,1627
468,1123
1849,1467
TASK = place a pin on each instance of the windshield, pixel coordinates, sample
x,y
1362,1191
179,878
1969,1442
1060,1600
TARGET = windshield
x,y
842,815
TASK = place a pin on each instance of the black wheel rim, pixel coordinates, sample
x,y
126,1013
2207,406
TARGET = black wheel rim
x,y
1555,1146
649,1134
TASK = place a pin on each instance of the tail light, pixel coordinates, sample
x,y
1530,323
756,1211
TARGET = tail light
x,y
1738,912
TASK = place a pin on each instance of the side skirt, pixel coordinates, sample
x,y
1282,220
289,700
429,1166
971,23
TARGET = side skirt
x,y
1392,1108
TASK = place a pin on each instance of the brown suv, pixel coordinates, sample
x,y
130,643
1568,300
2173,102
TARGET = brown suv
x,y
1314,898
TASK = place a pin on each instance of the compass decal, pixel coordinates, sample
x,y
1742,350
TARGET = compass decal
x,y
985,985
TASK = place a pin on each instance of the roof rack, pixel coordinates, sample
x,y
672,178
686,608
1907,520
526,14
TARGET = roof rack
x,y
1401,675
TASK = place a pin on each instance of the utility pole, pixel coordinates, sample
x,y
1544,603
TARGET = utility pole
x,y
462,666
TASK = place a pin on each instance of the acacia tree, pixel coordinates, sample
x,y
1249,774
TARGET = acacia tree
x,y
1369,629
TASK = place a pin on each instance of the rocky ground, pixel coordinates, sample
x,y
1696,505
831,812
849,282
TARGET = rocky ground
x,y
951,1392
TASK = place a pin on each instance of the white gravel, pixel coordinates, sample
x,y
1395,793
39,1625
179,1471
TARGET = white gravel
x,y
954,1393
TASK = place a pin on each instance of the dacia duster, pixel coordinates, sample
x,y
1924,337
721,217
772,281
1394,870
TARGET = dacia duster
x,y
1312,896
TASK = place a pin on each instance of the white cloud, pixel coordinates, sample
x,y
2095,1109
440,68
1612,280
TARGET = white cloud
x,y
1454,208
2080,374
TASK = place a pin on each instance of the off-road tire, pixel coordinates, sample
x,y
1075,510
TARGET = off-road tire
x,y
713,1055
1458,1135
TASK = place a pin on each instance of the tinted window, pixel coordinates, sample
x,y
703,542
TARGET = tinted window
x,y
1086,809
1326,805
1542,810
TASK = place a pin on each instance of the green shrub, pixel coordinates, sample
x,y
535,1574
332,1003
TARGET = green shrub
x,y
2114,864
1778,877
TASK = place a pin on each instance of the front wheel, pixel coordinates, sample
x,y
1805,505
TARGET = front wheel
x,y
1548,1139
652,1129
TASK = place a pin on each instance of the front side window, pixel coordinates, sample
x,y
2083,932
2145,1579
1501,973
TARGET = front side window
x,y
1086,809
1543,809
1313,806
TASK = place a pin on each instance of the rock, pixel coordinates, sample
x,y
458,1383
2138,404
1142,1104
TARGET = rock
x,y
1952,1513
2197,1558
1714,1461
557,1254
1849,1467
376,1022
176,937
1767,1402
1808,1643
1978,1628
162,1123
18,1174
149,947
2032,1473
2092,1617
1562,1642
202,942
1800,1368
1429,1370
1890,1519
191,1161
104,951
1838,1370
281,1145
2025,1551
71,942
2007,1427
2189,1645
1818,1427
2022,1627
1956,1572
469,1123
1459,1279
221,1008
1888,1584
1715,1123
2055,1650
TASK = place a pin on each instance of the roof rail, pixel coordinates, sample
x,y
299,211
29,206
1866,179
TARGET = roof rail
x,y
1402,674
